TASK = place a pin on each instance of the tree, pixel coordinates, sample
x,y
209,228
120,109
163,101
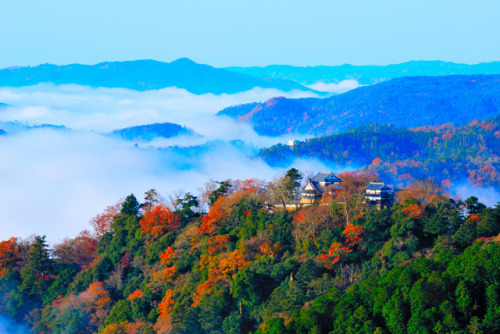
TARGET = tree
x,y
159,221
151,199
293,179
36,274
473,206
184,206
286,188
8,254
222,190
130,206
102,222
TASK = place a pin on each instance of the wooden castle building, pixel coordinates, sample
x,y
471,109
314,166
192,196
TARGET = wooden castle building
x,y
379,195
317,186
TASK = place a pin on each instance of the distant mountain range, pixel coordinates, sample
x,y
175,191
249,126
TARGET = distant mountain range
x,y
144,75
407,102
152,131
365,75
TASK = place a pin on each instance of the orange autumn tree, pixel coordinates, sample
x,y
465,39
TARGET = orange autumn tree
x,y
8,254
353,238
414,211
217,243
166,260
334,255
202,289
220,212
165,272
136,294
163,323
230,265
217,215
159,221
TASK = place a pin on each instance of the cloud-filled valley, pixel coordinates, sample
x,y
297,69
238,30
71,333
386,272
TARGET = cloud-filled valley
x,y
54,181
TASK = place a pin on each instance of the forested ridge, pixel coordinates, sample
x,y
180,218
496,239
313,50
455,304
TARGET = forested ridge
x,y
227,262
406,102
448,154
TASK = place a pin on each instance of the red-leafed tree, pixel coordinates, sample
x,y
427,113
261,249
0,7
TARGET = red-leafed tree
x,y
80,250
353,236
334,255
166,256
216,216
414,211
102,222
8,254
163,323
136,294
217,243
158,221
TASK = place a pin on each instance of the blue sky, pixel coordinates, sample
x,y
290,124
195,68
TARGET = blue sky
x,y
247,33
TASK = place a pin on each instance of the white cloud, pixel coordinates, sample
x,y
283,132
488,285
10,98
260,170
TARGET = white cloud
x,y
337,88
54,182
486,195
105,109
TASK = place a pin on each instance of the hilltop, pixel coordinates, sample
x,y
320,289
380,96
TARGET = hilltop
x,y
427,262
150,131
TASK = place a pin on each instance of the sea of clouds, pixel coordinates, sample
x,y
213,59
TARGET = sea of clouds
x,y
54,181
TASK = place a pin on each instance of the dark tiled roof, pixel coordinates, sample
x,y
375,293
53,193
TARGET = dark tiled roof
x,y
377,186
325,177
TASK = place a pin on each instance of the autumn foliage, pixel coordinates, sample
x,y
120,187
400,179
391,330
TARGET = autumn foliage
x,y
247,267
158,221
353,236
414,211
8,254
136,294
165,308
216,216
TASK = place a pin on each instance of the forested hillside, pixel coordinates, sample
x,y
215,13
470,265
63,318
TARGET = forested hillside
x,y
446,153
429,264
408,102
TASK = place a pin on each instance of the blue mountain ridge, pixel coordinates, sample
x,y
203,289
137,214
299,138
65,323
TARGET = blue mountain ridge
x,y
144,75
366,75
407,102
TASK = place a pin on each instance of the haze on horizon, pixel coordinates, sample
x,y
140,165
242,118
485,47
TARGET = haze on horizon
x,y
249,33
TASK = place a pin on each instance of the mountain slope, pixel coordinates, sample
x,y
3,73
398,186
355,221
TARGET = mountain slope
x,y
445,153
366,75
151,131
143,75
408,102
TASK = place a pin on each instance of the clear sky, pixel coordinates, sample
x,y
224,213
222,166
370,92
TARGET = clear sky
x,y
248,33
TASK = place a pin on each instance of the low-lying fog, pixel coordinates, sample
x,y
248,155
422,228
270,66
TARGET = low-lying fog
x,y
54,182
